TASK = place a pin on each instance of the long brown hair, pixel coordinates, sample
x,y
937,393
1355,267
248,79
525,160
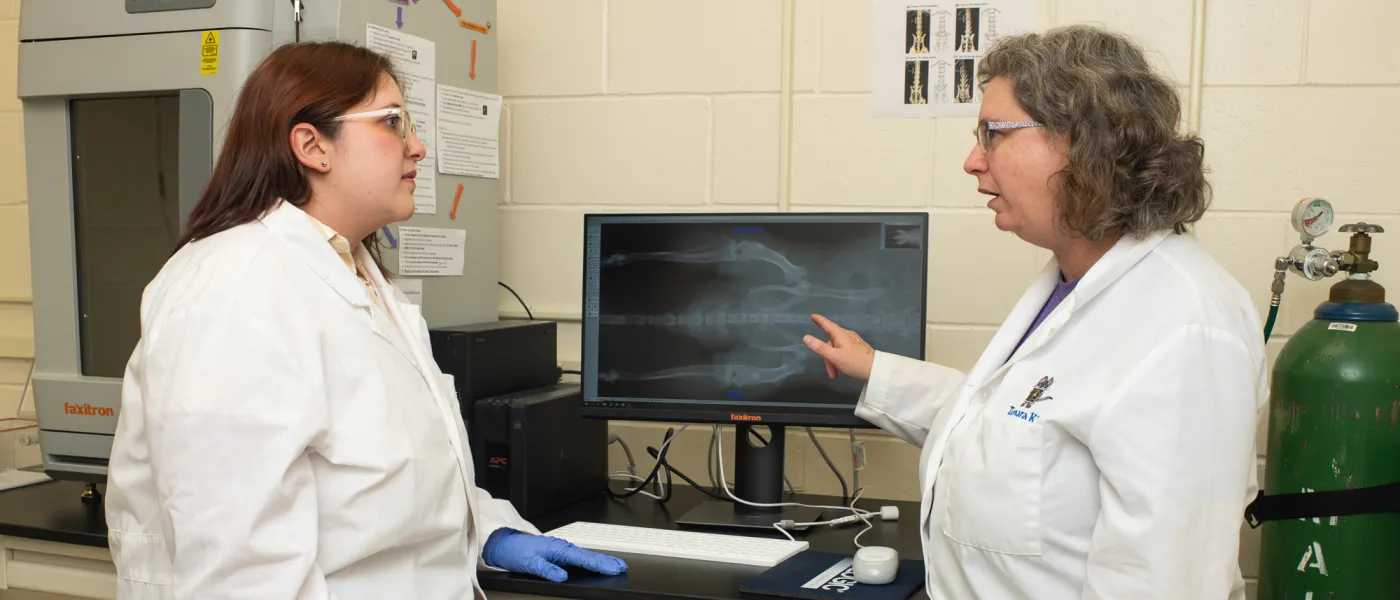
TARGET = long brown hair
x,y
310,82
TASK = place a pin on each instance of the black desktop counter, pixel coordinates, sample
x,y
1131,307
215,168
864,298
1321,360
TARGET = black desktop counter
x,y
54,512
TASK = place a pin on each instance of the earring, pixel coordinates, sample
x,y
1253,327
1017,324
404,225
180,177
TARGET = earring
x,y
323,164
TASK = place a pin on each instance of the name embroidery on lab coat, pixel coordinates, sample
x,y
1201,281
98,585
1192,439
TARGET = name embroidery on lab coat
x,y
1037,395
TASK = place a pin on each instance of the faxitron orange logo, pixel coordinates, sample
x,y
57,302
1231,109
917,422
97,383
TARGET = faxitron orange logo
x,y
88,410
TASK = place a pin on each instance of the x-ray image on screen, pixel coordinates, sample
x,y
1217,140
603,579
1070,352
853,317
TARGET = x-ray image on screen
x,y
716,311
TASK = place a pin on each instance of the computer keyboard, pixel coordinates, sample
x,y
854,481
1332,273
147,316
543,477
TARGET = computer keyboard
x,y
696,545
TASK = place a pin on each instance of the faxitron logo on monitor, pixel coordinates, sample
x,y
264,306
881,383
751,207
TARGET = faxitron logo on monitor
x,y
743,417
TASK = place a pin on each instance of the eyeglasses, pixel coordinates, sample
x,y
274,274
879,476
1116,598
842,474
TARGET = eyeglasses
x,y
403,125
985,128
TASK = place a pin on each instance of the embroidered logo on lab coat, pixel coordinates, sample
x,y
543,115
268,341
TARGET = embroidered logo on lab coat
x,y
1038,393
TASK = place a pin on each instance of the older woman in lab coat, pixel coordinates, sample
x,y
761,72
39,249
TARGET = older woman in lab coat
x,y
284,432
1102,446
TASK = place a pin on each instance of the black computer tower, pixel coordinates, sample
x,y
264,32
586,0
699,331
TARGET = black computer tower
x,y
496,357
534,449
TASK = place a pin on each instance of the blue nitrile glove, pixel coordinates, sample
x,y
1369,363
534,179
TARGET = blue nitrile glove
x,y
542,556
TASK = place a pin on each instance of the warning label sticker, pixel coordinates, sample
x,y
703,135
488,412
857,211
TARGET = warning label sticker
x,y
209,53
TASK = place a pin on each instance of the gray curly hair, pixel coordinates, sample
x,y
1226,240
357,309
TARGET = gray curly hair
x,y
1129,172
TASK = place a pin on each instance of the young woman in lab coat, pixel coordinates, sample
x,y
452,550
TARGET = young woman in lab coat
x,y
284,432
1103,444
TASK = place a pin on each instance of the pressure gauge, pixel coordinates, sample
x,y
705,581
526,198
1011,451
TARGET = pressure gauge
x,y
1312,217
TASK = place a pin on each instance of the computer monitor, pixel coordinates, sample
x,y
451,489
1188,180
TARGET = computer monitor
x,y
700,318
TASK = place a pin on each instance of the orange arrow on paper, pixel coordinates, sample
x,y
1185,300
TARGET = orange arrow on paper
x,y
455,10
455,200
473,71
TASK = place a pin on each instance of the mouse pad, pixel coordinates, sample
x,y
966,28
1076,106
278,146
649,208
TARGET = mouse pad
x,y
818,575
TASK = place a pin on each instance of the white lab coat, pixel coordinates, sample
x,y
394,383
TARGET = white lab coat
x,y
1129,478
282,437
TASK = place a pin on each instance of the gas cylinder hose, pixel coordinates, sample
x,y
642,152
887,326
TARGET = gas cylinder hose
x,y
1280,269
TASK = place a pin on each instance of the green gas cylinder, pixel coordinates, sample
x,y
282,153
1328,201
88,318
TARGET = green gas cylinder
x,y
1334,424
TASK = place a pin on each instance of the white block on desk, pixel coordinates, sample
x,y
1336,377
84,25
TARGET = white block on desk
x,y
15,478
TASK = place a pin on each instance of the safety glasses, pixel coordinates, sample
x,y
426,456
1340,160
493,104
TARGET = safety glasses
x,y
403,123
985,128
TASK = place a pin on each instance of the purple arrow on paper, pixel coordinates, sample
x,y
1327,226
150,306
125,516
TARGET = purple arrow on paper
x,y
403,2
399,21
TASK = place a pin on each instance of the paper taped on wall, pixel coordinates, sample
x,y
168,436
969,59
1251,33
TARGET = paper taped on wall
x,y
926,53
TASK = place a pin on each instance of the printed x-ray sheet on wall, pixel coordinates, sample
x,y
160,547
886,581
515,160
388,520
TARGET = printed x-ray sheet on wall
x,y
926,54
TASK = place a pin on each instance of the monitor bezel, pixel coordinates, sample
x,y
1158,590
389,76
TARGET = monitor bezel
x,y
714,413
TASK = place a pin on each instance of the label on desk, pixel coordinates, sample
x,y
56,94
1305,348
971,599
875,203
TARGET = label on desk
x,y
819,575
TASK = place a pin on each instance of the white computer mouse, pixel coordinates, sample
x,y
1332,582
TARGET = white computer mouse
x,y
875,565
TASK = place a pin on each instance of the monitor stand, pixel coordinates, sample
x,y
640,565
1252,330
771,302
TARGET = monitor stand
x,y
758,477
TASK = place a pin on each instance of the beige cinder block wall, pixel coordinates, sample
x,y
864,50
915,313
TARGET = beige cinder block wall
x,y
672,105
669,105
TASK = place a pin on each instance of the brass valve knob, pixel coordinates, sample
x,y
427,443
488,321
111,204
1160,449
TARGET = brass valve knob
x,y
1362,227
1357,259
